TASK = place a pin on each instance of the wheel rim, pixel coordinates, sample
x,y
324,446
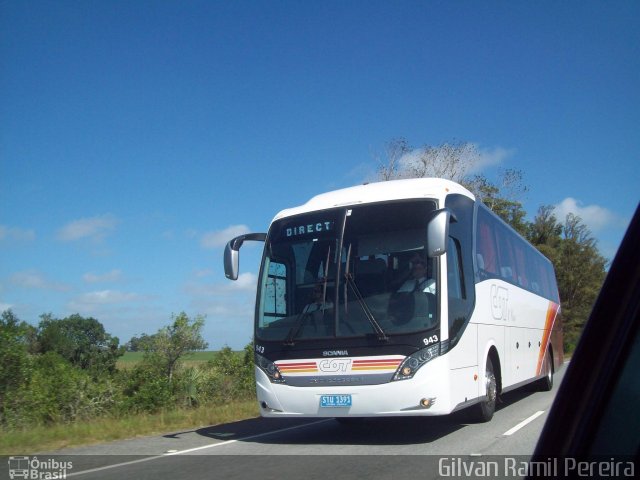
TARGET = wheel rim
x,y
492,388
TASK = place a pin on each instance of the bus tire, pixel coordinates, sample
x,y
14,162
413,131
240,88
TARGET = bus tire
x,y
483,411
545,384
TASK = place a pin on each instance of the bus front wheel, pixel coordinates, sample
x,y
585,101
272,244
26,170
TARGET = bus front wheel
x,y
483,411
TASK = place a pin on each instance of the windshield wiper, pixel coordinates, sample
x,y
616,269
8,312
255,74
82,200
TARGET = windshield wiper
x,y
365,308
295,328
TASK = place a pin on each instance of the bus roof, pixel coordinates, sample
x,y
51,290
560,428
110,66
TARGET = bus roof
x,y
413,188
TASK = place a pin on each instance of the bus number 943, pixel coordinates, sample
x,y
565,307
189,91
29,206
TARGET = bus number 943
x,y
430,340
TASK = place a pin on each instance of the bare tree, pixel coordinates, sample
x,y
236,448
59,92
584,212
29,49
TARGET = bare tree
x,y
458,161
395,150
452,160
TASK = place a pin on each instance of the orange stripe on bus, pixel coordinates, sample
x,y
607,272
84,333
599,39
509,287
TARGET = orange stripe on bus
x,y
552,313
373,368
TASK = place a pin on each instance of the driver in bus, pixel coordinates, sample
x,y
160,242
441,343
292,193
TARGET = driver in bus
x,y
420,279
318,303
318,312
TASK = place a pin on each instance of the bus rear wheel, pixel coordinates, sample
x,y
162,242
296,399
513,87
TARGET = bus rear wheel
x,y
483,411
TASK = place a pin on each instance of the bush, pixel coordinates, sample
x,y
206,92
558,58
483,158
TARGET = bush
x,y
145,389
81,341
234,377
58,392
68,375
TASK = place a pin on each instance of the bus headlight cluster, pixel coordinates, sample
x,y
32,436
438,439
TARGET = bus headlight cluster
x,y
268,367
413,362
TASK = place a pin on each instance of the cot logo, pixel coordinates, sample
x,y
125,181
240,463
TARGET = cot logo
x,y
499,302
334,365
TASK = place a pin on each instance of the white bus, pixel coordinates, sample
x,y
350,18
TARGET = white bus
x,y
398,298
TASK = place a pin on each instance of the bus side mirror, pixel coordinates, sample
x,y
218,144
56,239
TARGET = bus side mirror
x,y
232,253
438,232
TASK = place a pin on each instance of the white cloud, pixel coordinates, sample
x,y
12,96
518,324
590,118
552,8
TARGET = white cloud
x,y
16,234
103,297
226,299
410,158
32,279
94,228
597,218
109,277
5,306
93,301
246,282
221,237
490,157
206,272
472,160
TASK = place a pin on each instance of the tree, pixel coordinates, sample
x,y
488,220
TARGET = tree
x,y
396,149
173,342
138,343
503,198
452,160
545,229
81,341
580,270
15,361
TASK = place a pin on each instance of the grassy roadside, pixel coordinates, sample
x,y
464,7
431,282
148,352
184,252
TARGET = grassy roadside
x,y
43,438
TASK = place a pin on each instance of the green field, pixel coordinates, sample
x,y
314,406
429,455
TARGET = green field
x,y
130,359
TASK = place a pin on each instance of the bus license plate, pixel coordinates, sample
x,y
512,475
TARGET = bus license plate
x,y
335,400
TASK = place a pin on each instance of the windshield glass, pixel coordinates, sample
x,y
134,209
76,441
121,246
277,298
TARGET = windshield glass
x,y
350,272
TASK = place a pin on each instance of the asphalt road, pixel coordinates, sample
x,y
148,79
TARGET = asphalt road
x,y
322,448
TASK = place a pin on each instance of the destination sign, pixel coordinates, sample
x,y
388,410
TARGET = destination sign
x,y
309,228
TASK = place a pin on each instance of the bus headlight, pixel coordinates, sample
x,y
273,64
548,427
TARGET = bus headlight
x,y
413,362
268,367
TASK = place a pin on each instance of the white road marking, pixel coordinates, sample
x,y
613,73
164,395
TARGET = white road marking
x,y
203,447
107,467
212,445
523,423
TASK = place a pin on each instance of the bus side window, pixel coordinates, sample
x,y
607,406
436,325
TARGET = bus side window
x,y
521,267
275,304
486,247
455,278
460,264
505,253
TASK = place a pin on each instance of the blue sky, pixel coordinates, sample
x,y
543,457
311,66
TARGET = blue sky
x,y
136,137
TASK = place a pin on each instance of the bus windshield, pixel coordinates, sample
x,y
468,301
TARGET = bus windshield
x,y
348,272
